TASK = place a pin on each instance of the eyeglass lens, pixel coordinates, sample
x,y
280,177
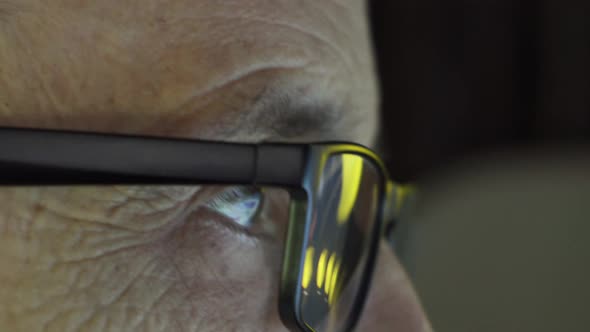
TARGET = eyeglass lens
x,y
340,235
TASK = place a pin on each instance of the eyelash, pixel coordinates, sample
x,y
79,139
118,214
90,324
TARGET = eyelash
x,y
233,204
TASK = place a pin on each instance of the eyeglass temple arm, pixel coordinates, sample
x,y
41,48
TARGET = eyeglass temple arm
x,y
39,157
398,201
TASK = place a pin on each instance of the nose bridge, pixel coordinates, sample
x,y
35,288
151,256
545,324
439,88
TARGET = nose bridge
x,y
392,304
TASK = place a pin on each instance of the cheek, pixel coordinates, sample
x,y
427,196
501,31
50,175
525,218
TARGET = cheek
x,y
222,280
198,276
392,304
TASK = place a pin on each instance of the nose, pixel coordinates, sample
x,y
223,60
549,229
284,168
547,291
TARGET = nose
x,y
392,304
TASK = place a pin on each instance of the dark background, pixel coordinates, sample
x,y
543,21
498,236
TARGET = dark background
x,y
461,77
486,107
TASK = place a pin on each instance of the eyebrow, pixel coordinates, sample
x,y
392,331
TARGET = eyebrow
x,y
284,117
293,121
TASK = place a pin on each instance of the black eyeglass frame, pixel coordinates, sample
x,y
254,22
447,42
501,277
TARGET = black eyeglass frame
x,y
51,157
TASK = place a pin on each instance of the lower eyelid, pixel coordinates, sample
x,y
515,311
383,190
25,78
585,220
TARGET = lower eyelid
x,y
221,224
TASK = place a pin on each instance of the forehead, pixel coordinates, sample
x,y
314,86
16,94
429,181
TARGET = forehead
x,y
233,70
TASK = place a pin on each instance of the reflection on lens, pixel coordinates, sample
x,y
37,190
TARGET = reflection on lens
x,y
321,271
307,268
342,230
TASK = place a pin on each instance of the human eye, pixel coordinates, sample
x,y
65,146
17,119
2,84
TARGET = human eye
x,y
239,204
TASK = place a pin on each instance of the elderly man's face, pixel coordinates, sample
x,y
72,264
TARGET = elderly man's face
x,y
235,70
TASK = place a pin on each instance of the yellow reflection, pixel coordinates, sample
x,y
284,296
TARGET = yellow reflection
x,y
321,271
307,268
352,170
329,269
333,283
402,193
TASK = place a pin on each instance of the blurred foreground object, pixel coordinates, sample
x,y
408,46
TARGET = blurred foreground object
x,y
501,243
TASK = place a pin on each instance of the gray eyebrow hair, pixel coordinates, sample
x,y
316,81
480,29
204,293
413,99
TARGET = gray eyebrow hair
x,y
292,121
286,117
290,115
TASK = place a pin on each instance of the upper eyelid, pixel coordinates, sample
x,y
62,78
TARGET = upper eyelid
x,y
225,194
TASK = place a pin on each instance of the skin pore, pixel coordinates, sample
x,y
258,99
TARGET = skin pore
x,y
121,259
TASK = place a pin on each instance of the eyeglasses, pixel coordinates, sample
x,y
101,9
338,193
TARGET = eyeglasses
x,y
341,201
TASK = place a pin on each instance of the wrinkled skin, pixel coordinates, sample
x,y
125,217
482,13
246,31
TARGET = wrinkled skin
x,y
127,260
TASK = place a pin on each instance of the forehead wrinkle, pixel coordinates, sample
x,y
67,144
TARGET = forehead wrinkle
x,y
317,36
240,75
288,115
